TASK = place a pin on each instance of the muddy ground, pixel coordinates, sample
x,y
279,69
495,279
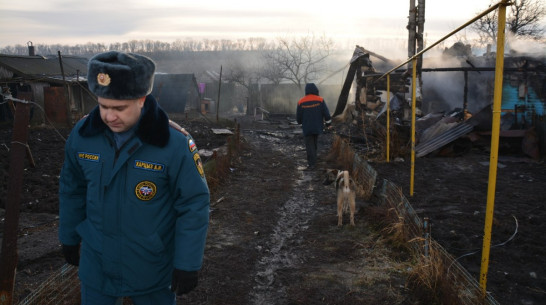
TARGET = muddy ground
x,y
273,237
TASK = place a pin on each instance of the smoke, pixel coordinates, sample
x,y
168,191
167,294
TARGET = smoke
x,y
444,91
523,45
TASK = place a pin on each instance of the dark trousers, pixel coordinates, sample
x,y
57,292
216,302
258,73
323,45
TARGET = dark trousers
x,y
311,148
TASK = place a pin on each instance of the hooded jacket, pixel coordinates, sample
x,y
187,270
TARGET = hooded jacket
x,y
312,111
139,211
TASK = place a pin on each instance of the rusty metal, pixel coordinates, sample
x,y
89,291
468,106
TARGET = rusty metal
x,y
8,258
56,112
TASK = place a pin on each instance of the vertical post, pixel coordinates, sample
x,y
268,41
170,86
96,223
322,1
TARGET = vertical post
x,y
426,227
419,36
413,98
67,93
495,132
8,259
465,92
412,20
219,88
388,116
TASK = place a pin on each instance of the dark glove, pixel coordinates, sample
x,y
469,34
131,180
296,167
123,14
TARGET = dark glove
x,y
183,281
72,254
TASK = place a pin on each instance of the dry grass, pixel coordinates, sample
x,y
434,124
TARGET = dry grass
x,y
435,278
433,282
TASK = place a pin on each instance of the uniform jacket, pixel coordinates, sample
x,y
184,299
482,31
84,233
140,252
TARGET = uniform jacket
x,y
312,111
139,211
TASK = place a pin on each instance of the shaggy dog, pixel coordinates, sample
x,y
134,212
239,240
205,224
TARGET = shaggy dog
x,y
346,194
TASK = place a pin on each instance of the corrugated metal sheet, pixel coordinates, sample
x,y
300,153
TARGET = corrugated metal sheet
x,y
443,138
49,67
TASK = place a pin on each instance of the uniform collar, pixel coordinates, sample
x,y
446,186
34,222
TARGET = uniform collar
x,y
152,128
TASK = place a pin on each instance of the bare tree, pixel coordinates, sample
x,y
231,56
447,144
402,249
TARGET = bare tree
x,y
299,60
245,75
523,19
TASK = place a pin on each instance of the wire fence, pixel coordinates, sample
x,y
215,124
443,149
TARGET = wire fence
x,y
61,288
436,268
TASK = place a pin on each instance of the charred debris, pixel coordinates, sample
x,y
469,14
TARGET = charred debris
x,y
453,105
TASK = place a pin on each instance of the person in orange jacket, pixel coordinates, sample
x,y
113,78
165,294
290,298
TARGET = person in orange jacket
x,y
312,113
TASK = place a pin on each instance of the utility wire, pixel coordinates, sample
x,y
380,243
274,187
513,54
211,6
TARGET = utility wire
x,y
494,246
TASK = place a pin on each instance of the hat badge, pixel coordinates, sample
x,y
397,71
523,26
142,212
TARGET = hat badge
x,y
103,79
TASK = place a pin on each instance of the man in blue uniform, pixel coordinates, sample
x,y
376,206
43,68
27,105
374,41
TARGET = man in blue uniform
x,y
134,202
312,113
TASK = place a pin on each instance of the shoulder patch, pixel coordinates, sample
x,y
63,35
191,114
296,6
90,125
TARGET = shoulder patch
x,y
178,127
191,145
199,165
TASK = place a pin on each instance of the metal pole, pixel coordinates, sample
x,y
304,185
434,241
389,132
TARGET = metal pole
x,y
495,131
465,92
8,259
219,88
413,102
388,116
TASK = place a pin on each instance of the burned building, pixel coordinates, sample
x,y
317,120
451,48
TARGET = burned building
x,y
454,98
176,92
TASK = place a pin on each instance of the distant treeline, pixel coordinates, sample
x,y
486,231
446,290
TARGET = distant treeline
x,y
146,46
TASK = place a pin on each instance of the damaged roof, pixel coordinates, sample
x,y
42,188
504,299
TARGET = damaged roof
x,y
42,67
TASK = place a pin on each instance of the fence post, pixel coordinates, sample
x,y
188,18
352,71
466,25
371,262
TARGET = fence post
x,y
426,226
8,259
495,131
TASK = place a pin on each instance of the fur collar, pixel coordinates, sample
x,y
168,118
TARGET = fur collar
x,y
152,128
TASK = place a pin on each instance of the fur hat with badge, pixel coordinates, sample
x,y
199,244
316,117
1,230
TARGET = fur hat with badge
x,y
120,76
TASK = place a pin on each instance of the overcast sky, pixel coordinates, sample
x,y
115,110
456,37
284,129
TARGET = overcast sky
x,y
346,21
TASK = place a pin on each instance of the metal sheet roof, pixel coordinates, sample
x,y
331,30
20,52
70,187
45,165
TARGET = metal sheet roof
x,y
40,66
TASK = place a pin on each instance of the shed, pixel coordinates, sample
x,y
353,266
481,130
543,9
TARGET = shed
x,y
176,93
54,85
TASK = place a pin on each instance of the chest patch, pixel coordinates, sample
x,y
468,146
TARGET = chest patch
x,y
88,156
150,166
145,190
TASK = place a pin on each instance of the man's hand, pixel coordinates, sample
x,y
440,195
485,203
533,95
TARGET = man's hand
x,y
183,281
72,254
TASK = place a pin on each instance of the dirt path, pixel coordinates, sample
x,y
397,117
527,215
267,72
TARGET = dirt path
x,y
273,237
